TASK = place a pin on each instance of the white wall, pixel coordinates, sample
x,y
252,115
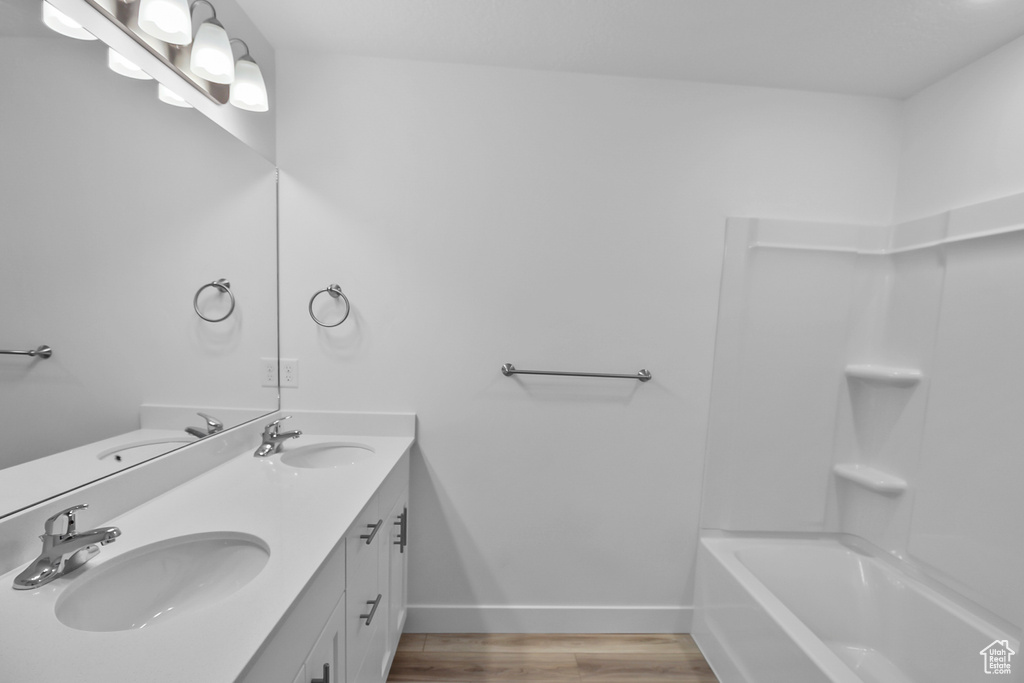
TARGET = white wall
x,y
963,139
477,216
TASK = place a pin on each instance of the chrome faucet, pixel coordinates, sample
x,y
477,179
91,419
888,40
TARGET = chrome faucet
x,y
273,437
213,425
63,551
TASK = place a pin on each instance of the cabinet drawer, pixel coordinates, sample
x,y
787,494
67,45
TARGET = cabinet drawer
x,y
363,590
357,548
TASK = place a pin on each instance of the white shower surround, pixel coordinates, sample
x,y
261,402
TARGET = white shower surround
x,y
821,330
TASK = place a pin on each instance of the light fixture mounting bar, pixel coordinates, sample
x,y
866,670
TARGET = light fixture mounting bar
x,y
125,15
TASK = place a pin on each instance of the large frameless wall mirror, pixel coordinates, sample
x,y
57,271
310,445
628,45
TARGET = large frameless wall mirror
x,y
116,210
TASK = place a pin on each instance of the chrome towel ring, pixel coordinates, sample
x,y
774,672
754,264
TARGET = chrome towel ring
x,y
225,288
335,292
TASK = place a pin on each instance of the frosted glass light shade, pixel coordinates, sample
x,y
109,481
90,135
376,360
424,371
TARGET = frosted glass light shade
x,y
168,20
120,65
63,24
168,96
248,91
211,54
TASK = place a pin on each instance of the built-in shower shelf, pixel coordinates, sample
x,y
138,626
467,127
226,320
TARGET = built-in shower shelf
x,y
871,478
884,374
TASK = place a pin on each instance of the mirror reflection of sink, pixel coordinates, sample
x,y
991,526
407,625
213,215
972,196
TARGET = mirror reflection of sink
x,y
140,451
155,582
334,454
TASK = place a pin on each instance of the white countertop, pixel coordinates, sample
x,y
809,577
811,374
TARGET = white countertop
x,y
299,513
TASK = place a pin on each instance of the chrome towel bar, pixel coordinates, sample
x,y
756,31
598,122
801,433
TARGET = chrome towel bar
x,y
43,351
508,370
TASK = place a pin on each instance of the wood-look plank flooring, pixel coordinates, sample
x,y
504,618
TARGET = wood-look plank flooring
x,y
548,658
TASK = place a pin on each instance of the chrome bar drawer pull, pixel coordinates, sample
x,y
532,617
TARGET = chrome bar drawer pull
x,y
376,527
373,610
326,678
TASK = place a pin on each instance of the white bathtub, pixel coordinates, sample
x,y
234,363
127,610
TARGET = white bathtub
x,y
803,610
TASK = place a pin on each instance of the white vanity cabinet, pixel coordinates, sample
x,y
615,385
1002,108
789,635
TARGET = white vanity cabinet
x,y
306,603
363,581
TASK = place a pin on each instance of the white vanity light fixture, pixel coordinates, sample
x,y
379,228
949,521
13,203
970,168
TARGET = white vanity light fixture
x,y
211,56
168,96
248,91
164,29
120,64
166,20
63,24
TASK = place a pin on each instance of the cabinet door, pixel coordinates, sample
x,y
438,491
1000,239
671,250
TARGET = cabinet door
x,y
398,550
326,661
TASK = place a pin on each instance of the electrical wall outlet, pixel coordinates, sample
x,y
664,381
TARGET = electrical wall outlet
x,y
289,372
269,371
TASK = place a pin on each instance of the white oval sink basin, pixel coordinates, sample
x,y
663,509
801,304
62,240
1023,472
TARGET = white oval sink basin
x,y
335,454
160,580
132,453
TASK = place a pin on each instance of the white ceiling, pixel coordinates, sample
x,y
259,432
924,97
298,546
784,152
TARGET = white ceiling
x,y
891,48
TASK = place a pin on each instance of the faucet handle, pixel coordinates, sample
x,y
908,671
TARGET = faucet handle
x,y
213,425
69,514
272,428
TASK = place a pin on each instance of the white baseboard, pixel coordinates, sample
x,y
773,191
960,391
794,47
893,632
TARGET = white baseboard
x,y
546,619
